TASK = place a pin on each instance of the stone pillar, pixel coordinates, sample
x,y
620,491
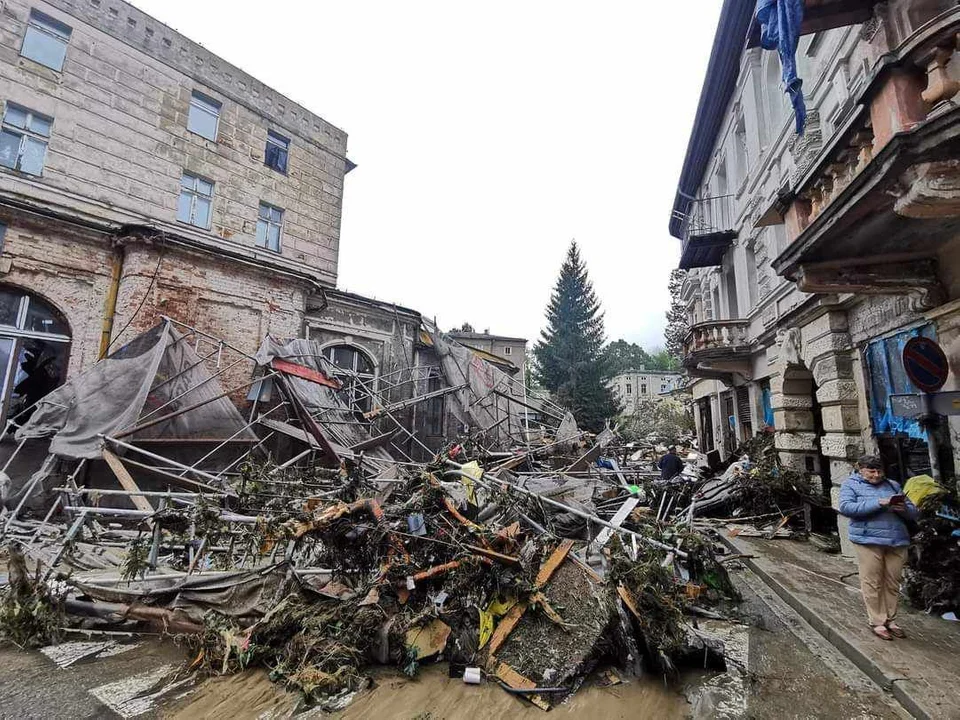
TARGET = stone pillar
x,y
827,352
791,396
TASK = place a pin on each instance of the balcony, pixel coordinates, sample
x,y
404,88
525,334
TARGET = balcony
x,y
706,231
718,349
876,208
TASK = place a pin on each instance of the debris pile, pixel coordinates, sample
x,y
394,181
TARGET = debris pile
x,y
312,541
932,574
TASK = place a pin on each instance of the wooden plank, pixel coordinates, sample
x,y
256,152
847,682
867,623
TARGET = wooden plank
x,y
301,371
493,555
128,483
512,678
553,562
289,430
629,601
505,627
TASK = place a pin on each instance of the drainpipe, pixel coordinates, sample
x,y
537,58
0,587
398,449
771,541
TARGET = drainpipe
x,y
110,304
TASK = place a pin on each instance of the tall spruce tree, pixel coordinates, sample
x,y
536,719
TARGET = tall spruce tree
x,y
677,324
569,355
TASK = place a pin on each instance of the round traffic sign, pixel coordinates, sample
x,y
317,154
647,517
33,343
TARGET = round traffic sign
x,y
925,364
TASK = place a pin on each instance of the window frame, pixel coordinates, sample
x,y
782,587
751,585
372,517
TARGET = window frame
x,y
194,193
507,350
202,103
269,223
282,143
46,27
26,133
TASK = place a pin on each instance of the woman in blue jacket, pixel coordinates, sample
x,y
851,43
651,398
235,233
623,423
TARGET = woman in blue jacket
x,y
878,512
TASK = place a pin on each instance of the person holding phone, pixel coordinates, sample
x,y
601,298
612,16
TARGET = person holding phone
x,y
879,513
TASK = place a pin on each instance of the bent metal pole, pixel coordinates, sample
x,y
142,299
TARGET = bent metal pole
x,y
458,470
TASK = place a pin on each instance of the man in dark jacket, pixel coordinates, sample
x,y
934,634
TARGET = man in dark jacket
x,y
670,464
878,512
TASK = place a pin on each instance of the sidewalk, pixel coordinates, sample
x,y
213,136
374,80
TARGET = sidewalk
x,y
923,671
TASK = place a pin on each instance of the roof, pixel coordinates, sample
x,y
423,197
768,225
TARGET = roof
x,y
718,87
482,336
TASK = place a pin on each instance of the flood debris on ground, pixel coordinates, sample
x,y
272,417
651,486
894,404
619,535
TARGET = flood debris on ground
x,y
316,536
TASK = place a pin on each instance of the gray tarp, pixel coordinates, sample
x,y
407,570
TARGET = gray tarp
x,y
484,403
155,368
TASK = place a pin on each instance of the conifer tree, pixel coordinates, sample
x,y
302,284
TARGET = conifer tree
x,y
569,356
677,324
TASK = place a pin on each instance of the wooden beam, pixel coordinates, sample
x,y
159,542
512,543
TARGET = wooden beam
x,y
127,481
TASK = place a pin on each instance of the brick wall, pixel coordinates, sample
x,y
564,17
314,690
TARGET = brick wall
x,y
119,142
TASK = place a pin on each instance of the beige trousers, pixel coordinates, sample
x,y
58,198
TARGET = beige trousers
x,y
880,570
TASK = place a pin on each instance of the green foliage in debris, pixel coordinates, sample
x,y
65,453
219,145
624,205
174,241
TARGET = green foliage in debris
x,y
569,355
136,561
932,577
31,615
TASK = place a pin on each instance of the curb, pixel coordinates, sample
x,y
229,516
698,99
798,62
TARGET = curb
x,y
849,650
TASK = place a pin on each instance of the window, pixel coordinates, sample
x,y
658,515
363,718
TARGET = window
x,y
196,200
45,40
276,154
356,373
643,389
663,387
23,139
508,351
204,116
629,389
269,224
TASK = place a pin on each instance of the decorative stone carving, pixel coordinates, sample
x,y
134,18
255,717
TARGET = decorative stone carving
x,y
805,148
916,278
930,190
790,346
940,86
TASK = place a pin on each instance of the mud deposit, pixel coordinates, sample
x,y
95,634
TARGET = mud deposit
x,y
431,696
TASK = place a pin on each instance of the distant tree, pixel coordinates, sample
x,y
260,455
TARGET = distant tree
x,y
569,355
677,324
664,421
661,359
466,327
622,356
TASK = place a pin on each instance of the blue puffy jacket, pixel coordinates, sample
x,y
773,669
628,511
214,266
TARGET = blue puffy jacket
x,y
870,523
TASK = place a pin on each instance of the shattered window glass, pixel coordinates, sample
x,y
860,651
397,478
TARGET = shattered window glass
x,y
41,318
45,40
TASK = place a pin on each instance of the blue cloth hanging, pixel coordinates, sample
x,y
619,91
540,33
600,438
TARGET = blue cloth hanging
x,y
780,30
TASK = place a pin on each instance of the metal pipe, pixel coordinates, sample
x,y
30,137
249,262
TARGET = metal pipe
x,y
561,506
174,463
110,304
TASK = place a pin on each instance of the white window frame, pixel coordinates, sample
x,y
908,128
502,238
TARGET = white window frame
x,y
26,132
508,350
202,103
49,27
195,192
268,223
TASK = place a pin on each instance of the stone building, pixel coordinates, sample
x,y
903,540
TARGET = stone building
x,y
510,350
142,175
630,388
814,258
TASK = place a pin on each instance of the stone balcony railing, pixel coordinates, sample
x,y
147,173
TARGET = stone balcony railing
x,y
718,340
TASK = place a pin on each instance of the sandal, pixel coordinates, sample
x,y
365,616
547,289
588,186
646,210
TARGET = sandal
x,y
895,630
881,632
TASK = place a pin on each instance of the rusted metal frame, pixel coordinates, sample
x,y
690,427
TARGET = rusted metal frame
x,y
181,411
190,390
305,373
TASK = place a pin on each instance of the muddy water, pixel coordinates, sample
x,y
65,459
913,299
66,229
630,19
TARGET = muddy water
x,y
432,695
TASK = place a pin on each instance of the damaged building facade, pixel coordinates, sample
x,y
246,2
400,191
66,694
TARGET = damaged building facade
x,y
813,258
143,177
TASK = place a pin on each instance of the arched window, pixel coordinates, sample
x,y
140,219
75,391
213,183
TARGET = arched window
x,y
356,371
34,350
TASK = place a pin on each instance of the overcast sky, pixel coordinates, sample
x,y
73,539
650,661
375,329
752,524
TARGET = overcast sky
x,y
487,135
